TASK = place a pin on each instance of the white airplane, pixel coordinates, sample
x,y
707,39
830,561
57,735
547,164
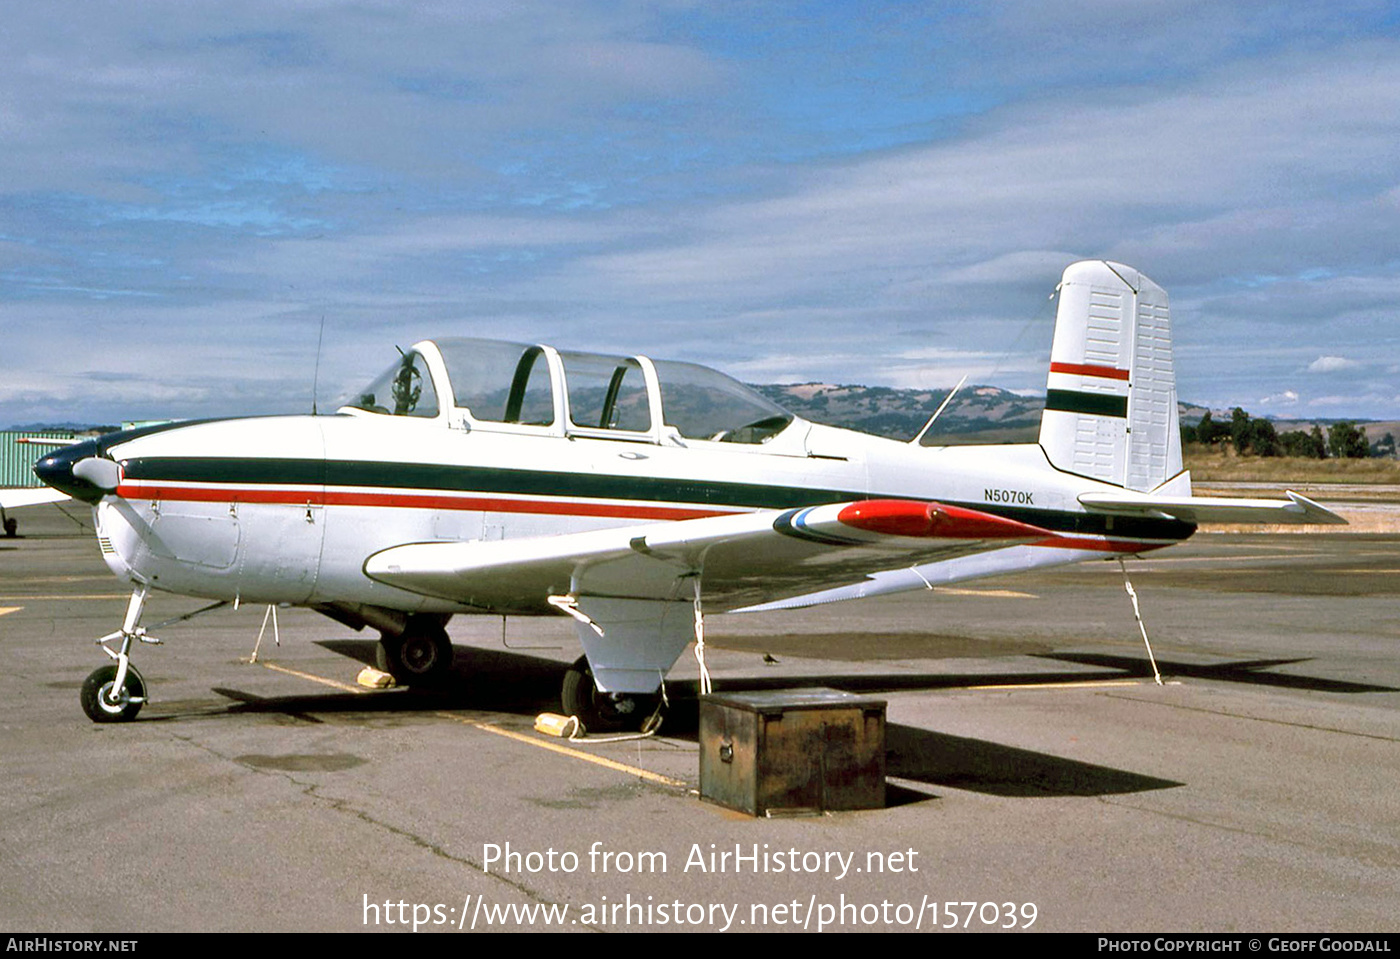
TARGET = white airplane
x,y
485,477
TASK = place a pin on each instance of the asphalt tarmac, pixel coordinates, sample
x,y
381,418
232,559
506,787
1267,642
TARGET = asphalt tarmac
x,y
1038,777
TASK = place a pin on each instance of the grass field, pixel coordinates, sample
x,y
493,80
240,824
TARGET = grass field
x,y
1225,467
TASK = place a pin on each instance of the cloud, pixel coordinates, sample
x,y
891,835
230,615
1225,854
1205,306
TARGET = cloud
x,y
886,195
1332,364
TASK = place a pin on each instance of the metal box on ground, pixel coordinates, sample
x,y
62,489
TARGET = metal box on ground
x,y
792,751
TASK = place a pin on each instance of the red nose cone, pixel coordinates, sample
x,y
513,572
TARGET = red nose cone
x,y
897,517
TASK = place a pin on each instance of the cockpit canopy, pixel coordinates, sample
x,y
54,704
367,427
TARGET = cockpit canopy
x,y
490,384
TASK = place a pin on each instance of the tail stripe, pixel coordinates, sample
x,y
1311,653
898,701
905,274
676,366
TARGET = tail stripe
x,y
1081,369
1092,404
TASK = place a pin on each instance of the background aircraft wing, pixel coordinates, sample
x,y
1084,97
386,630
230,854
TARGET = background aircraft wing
x,y
27,496
633,589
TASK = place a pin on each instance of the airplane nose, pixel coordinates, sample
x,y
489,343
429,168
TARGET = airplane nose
x,y
61,469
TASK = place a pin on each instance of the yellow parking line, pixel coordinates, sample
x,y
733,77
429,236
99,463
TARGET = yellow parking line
x,y
1001,593
75,596
315,679
10,609
509,734
566,751
1090,684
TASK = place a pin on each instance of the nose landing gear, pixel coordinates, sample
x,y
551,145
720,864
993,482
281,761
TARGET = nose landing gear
x,y
116,693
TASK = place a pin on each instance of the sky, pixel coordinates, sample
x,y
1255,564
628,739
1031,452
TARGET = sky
x,y
881,193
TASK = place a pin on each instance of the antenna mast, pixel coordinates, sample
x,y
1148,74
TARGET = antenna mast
x,y
941,407
316,376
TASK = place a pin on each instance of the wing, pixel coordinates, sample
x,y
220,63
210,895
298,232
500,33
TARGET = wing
x,y
634,588
740,559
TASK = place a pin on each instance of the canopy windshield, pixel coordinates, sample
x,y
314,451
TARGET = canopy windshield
x,y
404,389
500,382
607,392
704,404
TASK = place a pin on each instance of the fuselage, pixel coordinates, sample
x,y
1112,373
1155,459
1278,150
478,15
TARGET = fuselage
x,y
287,509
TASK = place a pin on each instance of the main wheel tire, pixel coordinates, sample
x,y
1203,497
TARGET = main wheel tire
x,y
100,704
602,712
422,656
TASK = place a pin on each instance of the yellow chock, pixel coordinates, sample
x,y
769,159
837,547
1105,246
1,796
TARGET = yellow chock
x,y
374,679
552,724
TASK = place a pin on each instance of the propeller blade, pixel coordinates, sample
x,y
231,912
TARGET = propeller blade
x,y
99,471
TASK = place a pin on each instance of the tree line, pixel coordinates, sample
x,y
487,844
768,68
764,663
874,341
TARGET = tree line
x,y
1250,435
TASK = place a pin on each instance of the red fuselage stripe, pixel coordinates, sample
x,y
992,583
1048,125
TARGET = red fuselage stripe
x,y
292,497
1084,369
408,501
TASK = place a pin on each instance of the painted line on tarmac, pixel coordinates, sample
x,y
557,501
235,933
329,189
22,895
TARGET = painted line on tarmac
x,y
10,609
509,734
1177,560
997,593
335,683
69,596
1088,684
637,771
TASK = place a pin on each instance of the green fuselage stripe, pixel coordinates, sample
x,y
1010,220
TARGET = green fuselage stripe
x,y
692,492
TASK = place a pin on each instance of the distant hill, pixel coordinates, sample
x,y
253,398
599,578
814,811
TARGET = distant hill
x,y
977,413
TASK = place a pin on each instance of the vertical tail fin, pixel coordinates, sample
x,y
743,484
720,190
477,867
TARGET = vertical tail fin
x,y
1110,405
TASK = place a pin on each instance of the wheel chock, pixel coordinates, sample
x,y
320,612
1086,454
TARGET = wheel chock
x,y
375,679
552,724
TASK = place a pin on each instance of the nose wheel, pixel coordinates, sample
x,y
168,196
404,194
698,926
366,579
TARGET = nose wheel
x,y
106,702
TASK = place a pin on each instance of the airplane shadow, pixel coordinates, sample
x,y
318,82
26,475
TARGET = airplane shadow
x,y
482,680
511,682
977,765
508,682
1250,672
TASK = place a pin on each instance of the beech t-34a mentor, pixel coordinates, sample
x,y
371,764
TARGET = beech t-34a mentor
x,y
485,477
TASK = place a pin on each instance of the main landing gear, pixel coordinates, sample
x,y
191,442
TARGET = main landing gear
x,y
602,712
420,656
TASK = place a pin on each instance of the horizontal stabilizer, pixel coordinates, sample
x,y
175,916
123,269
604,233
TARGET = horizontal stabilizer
x,y
1211,509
